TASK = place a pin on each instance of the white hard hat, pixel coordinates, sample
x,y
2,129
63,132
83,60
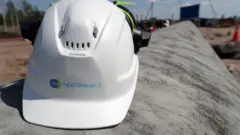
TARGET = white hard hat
x,y
83,69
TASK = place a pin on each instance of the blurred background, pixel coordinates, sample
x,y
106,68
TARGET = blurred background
x,y
12,13
154,13
217,20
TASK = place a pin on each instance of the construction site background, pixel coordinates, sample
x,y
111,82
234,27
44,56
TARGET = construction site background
x,y
216,22
16,12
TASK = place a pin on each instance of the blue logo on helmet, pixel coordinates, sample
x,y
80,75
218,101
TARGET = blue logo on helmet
x,y
57,84
54,83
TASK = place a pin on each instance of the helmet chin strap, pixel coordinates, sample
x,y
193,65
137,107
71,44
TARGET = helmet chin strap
x,y
141,37
129,16
123,3
51,4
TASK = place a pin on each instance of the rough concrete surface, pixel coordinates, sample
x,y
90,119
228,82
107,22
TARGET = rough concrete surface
x,y
183,89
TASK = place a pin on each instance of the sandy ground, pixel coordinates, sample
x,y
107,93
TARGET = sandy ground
x,y
221,36
234,67
218,35
14,56
183,89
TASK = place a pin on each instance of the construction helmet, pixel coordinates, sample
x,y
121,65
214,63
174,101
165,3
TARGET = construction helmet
x,y
83,69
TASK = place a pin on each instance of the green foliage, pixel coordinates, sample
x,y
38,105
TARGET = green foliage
x,y
25,11
16,13
1,19
31,12
9,34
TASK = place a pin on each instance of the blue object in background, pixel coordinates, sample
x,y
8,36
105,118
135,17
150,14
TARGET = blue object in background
x,y
189,12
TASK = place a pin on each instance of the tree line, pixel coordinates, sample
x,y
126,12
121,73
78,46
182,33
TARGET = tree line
x,y
15,13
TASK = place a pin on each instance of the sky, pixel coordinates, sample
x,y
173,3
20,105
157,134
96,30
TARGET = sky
x,y
170,8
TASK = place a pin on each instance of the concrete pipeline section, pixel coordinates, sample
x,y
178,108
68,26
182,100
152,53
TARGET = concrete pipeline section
x,y
183,89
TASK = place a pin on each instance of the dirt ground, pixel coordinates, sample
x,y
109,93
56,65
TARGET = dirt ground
x,y
14,56
218,35
222,36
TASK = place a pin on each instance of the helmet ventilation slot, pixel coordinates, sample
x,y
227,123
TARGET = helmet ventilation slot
x,y
77,46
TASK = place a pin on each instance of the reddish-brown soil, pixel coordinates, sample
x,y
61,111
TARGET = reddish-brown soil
x,y
14,55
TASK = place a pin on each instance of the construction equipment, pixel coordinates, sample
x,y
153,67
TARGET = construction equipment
x,y
213,9
83,71
150,10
